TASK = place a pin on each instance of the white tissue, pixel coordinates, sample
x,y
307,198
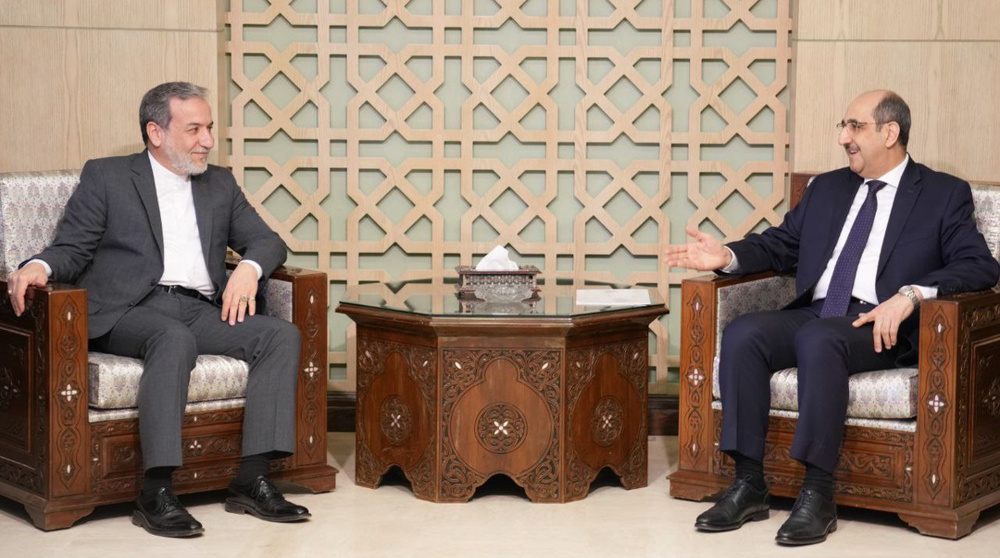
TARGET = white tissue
x,y
497,260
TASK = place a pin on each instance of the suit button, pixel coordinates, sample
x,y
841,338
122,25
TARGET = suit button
x,y
152,283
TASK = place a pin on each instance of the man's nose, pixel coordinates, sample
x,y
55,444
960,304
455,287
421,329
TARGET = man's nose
x,y
844,137
207,139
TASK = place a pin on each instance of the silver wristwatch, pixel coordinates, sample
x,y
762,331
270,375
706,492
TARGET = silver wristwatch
x,y
910,293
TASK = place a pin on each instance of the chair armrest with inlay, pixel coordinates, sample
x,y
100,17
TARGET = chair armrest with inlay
x,y
958,416
45,439
708,304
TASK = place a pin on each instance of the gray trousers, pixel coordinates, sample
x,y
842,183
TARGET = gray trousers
x,y
168,331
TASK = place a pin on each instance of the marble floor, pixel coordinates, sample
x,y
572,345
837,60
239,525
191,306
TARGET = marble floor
x,y
500,521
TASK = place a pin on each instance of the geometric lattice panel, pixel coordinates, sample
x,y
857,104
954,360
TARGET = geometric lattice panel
x,y
392,140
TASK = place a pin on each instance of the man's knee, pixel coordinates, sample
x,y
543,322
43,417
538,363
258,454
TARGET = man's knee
x,y
174,339
820,339
287,333
743,332
280,334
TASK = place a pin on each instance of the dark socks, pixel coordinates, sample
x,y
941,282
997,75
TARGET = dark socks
x,y
251,467
156,478
750,470
818,480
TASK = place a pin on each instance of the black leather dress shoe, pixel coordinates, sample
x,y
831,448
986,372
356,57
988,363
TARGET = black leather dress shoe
x,y
262,499
741,503
813,518
162,514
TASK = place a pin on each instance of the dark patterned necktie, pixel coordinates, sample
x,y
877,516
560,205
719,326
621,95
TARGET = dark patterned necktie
x,y
838,296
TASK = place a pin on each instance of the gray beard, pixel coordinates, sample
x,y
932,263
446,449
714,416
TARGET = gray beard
x,y
185,165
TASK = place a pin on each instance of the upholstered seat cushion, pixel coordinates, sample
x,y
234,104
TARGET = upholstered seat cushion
x,y
114,380
879,394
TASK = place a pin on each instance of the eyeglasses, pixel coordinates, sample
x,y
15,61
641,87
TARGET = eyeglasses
x,y
852,125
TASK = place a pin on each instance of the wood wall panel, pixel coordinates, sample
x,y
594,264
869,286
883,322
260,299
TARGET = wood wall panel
x,y
899,20
950,80
181,15
73,74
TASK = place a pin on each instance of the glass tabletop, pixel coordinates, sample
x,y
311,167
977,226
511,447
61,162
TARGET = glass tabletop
x,y
440,297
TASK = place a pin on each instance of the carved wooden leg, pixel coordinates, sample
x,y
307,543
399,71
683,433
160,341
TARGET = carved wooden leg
x,y
422,478
324,479
692,486
578,478
63,519
635,471
368,471
949,525
540,485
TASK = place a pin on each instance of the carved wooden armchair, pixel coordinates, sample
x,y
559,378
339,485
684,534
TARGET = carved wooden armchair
x,y
69,438
923,442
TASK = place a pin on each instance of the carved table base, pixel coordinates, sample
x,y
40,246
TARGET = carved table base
x,y
453,404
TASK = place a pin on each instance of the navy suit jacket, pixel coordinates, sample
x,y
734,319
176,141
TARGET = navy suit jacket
x,y
110,238
931,239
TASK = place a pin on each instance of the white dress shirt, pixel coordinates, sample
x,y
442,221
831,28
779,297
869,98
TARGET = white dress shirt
x,y
864,283
183,259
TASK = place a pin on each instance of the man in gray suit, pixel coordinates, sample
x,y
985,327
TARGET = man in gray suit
x,y
146,235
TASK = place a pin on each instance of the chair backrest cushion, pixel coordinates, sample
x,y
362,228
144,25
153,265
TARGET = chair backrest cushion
x,y
987,200
31,204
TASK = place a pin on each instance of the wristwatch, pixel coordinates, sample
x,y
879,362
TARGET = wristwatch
x,y
910,293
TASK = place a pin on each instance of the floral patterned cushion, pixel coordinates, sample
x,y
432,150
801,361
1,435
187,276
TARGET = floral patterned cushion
x,y
30,207
879,394
99,415
772,293
900,425
114,380
279,299
987,202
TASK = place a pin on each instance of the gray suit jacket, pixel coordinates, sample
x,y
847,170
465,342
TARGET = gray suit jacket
x,y
110,238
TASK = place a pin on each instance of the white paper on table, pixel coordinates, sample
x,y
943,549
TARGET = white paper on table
x,y
612,297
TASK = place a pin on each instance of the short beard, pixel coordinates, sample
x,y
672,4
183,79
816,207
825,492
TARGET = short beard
x,y
182,162
185,165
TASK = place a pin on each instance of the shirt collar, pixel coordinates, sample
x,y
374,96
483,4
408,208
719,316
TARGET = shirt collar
x,y
163,174
894,176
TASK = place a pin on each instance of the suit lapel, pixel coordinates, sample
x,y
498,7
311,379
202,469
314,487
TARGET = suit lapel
x,y
202,194
906,198
142,179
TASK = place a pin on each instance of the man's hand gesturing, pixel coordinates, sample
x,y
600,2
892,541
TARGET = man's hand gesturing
x,y
703,253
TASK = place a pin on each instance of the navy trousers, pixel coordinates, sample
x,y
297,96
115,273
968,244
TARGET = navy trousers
x,y
825,350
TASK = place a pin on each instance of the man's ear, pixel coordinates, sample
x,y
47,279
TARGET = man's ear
x,y
892,133
155,134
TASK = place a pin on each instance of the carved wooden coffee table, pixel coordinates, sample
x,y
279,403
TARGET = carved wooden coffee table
x,y
453,392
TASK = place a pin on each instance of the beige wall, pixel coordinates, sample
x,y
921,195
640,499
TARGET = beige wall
x,y
73,72
942,56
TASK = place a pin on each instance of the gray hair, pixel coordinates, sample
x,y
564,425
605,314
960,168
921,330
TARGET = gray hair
x,y
892,108
155,105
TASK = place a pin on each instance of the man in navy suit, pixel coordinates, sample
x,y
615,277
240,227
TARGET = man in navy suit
x,y
146,235
868,243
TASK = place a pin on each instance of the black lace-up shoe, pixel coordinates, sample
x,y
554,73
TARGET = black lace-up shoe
x,y
813,517
162,514
262,499
741,503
